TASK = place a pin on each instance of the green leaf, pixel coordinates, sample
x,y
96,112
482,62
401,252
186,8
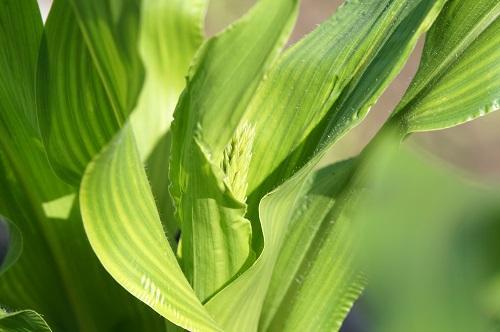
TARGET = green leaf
x,y
90,74
458,79
25,175
86,296
215,234
21,30
171,32
86,293
28,254
111,32
316,258
226,72
292,302
125,231
23,321
367,45
330,80
76,110
77,114
158,176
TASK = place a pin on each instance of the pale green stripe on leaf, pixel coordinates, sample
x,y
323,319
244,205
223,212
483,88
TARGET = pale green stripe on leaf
x,y
124,229
59,208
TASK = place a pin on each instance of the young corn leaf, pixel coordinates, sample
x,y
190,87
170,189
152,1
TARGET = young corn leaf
x,y
292,301
289,305
25,175
317,257
157,171
111,31
77,115
76,112
21,27
22,321
86,296
226,72
325,46
17,289
171,32
125,231
349,61
87,90
458,79
240,108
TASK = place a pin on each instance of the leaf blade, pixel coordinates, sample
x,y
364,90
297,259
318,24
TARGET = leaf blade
x,y
27,182
216,90
275,208
171,32
458,78
120,220
317,257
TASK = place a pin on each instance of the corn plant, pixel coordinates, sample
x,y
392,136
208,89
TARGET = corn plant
x,y
151,179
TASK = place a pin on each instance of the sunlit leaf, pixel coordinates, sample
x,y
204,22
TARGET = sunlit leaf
x,y
71,289
324,46
316,258
459,76
226,72
125,231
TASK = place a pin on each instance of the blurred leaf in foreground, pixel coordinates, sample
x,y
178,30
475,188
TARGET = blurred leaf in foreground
x,y
433,249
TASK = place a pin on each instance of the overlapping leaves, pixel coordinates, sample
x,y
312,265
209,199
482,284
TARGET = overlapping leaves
x,y
57,251
279,97
257,223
